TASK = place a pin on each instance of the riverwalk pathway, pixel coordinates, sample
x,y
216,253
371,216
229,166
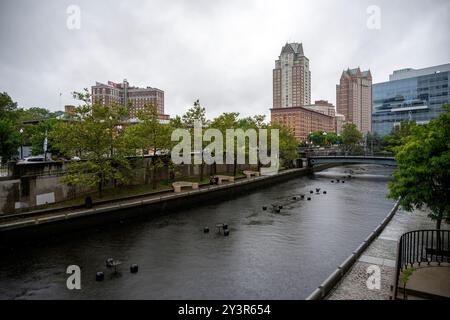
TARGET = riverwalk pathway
x,y
382,252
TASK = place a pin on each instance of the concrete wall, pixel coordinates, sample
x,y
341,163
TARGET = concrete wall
x,y
140,208
9,195
45,180
52,184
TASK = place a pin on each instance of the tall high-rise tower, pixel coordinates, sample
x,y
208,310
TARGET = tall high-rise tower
x,y
354,98
291,78
292,95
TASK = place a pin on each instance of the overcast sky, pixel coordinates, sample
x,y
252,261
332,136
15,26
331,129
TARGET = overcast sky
x,y
221,52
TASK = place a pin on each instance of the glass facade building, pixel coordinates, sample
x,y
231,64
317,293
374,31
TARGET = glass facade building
x,y
416,95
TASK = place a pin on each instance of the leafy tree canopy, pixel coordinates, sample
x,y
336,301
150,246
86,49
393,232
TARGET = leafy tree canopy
x,y
95,135
351,137
9,139
422,177
7,106
397,135
322,138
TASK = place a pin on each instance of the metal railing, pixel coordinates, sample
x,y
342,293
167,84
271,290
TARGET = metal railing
x,y
5,170
420,247
329,152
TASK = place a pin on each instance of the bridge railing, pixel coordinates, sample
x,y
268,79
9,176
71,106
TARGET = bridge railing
x,y
336,153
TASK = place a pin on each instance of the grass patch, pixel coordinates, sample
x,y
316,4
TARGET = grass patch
x,y
125,191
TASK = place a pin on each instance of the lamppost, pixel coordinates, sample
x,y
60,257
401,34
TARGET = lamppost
x,y
257,157
21,143
119,131
366,143
339,143
45,146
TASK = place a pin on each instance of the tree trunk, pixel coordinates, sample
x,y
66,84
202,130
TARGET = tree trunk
x,y
439,218
100,187
201,172
167,170
438,227
438,223
234,167
154,176
147,173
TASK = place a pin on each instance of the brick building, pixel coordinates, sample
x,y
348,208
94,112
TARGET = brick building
x,y
323,106
302,121
133,98
354,98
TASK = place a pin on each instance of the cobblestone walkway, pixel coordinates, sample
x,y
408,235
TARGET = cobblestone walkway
x,y
382,252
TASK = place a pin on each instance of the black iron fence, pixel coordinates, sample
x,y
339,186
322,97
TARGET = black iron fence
x,y
420,247
6,170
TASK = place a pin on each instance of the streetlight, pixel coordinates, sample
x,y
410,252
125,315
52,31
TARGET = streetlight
x,y
21,143
324,134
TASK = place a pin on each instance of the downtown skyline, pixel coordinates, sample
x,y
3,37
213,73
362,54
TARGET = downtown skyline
x,y
193,51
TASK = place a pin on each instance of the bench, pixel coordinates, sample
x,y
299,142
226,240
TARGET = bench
x,y
220,178
183,184
249,173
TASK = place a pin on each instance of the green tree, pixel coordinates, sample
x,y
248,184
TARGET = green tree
x,y
397,135
197,113
422,177
95,135
375,142
36,113
227,120
317,138
9,132
37,133
256,122
322,138
9,140
289,145
31,133
351,137
176,122
8,108
333,138
150,134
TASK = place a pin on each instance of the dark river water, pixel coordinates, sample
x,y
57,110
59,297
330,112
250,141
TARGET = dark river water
x,y
267,255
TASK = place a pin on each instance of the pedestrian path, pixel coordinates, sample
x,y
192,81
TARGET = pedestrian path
x,y
382,253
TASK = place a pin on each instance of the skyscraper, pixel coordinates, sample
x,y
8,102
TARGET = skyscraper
x,y
291,78
292,95
354,98
410,94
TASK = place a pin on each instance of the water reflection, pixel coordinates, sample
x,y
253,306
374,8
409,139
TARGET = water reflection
x,y
268,255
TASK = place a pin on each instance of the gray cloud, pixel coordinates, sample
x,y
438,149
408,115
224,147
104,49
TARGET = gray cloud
x,y
222,52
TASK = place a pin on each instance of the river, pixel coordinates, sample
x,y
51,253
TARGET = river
x,y
268,255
